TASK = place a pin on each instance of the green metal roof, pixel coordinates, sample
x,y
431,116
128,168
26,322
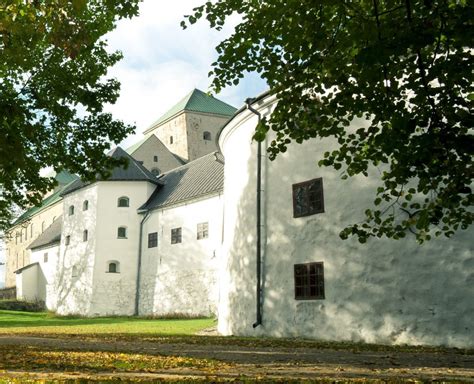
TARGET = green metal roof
x,y
64,178
197,101
137,145
50,200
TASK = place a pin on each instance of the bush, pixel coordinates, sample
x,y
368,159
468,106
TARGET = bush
x,y
20,305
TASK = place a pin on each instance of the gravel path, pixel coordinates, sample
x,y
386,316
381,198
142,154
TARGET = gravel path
x,y
265,362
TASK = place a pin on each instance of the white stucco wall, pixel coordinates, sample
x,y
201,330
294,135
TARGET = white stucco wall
x,y
182,278
385,291
27,284
73,282
46,273
114,293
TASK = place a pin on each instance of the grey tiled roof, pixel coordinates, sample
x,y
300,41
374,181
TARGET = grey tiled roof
x,y
198,178
51,235
134,172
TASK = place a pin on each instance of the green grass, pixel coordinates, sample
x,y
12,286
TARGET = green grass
x,y
14,322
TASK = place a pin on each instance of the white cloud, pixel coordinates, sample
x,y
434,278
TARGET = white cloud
x,y
162,62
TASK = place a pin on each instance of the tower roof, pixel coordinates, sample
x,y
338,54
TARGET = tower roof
x,y
133,172
196,101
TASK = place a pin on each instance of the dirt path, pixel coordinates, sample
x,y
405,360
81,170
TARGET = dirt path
x,y
262,362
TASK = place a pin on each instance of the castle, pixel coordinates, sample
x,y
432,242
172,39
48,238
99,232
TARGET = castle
x,y
202,223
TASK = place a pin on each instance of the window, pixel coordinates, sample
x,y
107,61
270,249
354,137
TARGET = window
x,y
309,281
171,139
68,240
202,231
42,227
75,271
155,171
31,230
176,235
85,235
113,267
71,210
26,233
153,240
206,135
155,159
122,232
123,202
308,198
45,257
85,205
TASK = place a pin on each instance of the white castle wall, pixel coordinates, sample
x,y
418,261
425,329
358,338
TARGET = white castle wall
x,y
182,278
114,293
384,291
73,283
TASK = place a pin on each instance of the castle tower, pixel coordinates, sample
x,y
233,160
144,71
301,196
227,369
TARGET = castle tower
x,y
189,129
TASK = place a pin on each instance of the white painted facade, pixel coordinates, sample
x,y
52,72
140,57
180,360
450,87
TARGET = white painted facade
x,y
384,291
182,278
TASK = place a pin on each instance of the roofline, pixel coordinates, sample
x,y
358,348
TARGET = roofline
x,y
154,126
239,111
25,267
183,202
39,211
157,182
46,245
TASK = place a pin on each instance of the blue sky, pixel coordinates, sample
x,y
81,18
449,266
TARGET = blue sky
x,y
162,63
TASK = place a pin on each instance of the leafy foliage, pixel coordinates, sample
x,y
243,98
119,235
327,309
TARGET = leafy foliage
x,y
390,80
53,64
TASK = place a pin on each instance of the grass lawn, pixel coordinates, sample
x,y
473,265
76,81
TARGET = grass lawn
x,y
13,322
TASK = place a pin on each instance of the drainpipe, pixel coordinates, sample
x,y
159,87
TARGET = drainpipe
x,y
139,266
259,226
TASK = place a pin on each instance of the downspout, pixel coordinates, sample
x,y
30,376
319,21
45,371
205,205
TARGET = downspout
x,y
139,266
259,226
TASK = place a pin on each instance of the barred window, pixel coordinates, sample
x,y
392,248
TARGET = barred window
x,y
176,235
308,198
153,240
309,281
202,231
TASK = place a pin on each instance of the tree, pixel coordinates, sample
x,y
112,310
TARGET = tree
x,y
53,64
404,65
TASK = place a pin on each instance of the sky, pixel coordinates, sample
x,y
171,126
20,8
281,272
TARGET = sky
x,y
162,63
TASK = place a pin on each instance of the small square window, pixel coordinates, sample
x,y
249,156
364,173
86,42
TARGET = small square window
x,y
153,240
202,231
308,198
176,235
309,281
155,159
122,232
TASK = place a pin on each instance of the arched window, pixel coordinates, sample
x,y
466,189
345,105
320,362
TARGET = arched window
x,y
85,205
123,201
206,135
171,139
71,210
113,266
155,171
85,235
122,232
